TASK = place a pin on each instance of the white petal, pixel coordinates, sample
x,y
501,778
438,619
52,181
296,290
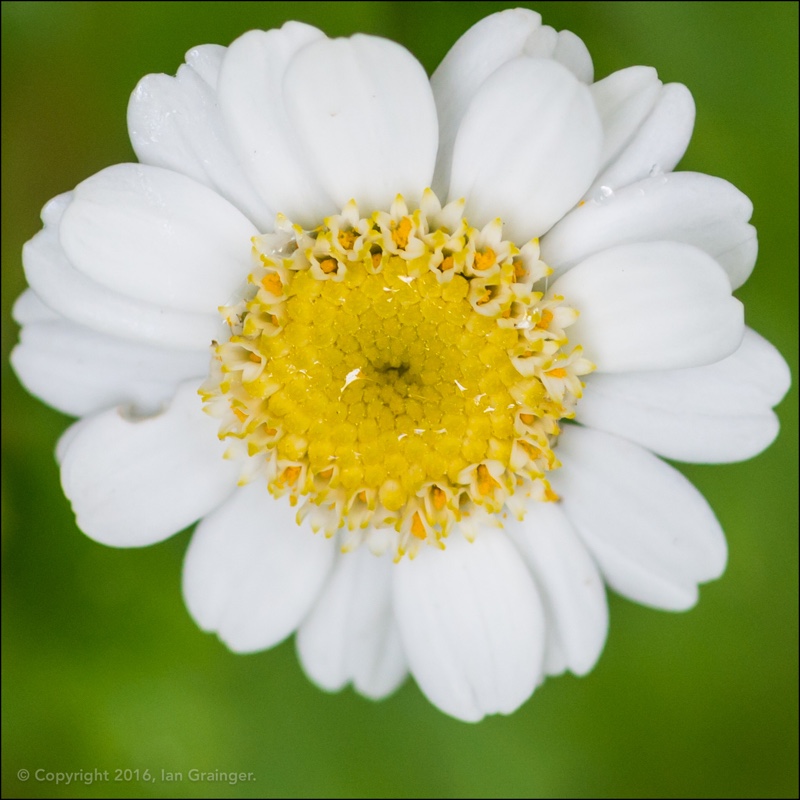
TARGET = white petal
x,y
133,482
364,114
487,45
472,625
351,634
689,207
658,305
652,533
712,414
176,123
573,593
206,61
251,573
527,148
66,438
53,210
657,146
80,299
29,308
564,47
79,371
251,99
624,99
157,236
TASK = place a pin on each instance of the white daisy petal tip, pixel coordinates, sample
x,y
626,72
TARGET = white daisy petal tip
x,y
688,207
251,574
571,587
714,414
163,473
481,51
481,652
373,133
154,235
350,637
652,534
342,316
176,123
653,306
531,180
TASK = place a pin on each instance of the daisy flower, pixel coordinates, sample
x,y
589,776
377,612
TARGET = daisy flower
x,y
410,350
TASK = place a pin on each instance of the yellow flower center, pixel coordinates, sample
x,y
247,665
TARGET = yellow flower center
x,y
397,371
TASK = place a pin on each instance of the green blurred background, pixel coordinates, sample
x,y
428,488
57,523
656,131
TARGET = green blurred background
x,y
102,666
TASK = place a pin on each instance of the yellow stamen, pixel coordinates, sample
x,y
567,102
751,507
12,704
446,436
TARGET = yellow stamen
x,y
347,239
328,265
272,283
485,260
486,483
401,233
289,476
531,450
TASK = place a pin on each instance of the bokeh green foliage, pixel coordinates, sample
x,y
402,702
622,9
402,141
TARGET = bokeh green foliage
x,y
102,666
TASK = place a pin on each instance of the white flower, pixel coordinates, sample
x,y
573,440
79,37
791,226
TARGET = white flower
x,y
395,367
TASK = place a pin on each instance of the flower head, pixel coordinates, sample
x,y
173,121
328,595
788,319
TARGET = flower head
x,y
408,349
